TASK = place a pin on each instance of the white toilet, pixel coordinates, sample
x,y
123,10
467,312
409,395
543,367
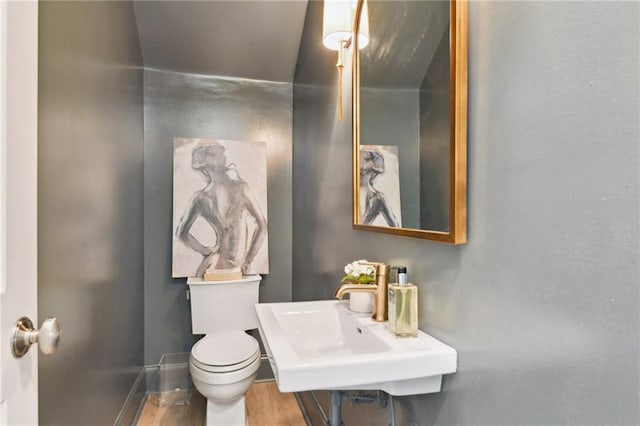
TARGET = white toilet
x,y
224,363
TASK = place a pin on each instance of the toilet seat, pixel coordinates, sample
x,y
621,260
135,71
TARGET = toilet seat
x,y
224,378
225,368
225,352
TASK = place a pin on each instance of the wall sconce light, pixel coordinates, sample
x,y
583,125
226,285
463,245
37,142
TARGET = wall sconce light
x,y
337,28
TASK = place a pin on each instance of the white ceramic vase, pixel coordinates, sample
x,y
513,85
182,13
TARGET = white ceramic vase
x,y
361,302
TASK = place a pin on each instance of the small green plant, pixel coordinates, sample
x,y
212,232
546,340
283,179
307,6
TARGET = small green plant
x,y
357,273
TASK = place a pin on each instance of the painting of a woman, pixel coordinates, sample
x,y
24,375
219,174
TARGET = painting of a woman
x,y
229,207
377,207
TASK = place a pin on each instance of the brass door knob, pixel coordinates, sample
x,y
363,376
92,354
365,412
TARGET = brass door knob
x,y
24,335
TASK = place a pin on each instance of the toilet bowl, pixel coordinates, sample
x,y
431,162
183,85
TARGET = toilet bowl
x,y
223,365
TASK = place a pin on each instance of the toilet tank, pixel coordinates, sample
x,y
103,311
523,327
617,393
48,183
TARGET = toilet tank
x,y
223,305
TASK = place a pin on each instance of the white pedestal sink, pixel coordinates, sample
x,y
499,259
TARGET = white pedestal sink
x,y
322,345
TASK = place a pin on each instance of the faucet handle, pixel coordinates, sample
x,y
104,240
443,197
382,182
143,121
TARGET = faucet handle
x,y
376,264
366,262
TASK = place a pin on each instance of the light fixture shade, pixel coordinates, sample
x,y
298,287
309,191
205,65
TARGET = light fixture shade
x,y
337,21
363,30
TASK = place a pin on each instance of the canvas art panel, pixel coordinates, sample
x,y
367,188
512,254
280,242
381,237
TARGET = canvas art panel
x,y
219,207
380,186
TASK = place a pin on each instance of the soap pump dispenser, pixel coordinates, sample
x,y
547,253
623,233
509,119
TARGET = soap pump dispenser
x,y
403,306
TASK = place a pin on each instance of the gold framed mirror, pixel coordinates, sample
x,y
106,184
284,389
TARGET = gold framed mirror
x,y
409,88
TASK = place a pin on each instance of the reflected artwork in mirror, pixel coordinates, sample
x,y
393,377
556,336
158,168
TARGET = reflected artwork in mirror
x,y
410,120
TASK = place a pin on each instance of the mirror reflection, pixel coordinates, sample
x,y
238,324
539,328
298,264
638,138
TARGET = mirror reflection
x,y
405,111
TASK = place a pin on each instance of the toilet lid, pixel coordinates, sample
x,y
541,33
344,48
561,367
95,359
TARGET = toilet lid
x,y
222,349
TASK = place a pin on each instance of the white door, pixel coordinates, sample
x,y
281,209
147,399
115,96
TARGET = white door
x,y
18,205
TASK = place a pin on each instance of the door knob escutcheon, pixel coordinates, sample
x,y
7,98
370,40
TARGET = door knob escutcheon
x,y
24,335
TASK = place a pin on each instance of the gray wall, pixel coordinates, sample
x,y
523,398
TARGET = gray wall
x,y
90,210
542,303
188,105
435,137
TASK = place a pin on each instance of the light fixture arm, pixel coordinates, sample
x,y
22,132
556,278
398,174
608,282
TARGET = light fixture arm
x,y
344,44
337,34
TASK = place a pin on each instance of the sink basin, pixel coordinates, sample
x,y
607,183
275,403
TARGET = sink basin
x,y
322,345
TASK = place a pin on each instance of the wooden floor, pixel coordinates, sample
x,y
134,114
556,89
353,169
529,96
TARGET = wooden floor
x,y
266,406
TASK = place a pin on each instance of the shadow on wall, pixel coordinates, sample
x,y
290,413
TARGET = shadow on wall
x,y
409,411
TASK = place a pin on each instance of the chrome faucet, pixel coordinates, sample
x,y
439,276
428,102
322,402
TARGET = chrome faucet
x,y
379,289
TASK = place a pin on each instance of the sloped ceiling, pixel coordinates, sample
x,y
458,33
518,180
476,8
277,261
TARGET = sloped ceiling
x,y
256,39
404,37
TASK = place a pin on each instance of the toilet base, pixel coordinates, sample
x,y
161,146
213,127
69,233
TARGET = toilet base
x,y
229,414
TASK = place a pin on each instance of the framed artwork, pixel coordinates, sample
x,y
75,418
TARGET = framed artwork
x,y
219,207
